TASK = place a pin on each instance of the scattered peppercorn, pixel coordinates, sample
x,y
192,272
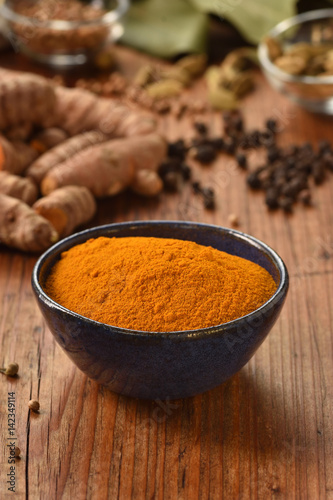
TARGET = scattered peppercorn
x,y
241,160
318,172
271,125
205,154
177,149
217,143
201,128
272,198
286,204
284,177
17,452
230,146
196,187
185,171
171,181
327,160
267,139
11,370
273,154
207,194
253,180
324,146
34,405
305,197
208,198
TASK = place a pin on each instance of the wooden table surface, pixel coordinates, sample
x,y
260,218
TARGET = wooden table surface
x,y
266,433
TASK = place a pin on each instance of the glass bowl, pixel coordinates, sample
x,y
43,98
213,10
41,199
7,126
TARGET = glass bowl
x,y
32,28
162,365
314,93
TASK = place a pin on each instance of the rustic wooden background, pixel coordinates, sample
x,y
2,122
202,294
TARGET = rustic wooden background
x,y
266,433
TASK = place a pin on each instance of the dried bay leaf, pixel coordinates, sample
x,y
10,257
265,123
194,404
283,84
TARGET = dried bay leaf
x,y
164,28
253,18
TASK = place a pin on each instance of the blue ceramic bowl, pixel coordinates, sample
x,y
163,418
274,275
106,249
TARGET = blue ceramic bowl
x,y
163,365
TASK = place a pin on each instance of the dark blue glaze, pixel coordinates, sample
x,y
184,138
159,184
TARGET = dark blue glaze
x,y
163,365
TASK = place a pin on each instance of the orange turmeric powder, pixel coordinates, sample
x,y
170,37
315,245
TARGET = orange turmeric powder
x,y
157,284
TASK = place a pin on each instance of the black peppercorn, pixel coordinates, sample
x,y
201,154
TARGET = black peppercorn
x,y
241,160
286,204
253,180
318,172
251,140
328,161
177,149
185,171
238,123
272,198
217,143
171,181
230,146
169,165
196,187
271,124
293,187
208,198
205,154
324,146
267,139
201,128
305,197
273,154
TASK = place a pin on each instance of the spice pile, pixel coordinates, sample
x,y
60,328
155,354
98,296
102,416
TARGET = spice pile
x,y
47,40
157,284
311,59
286,177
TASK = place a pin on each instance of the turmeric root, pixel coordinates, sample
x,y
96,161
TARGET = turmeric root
x,y
8,157
106,169
25,95
62,152
21,227
66,208
15,156
18,187
20,132
48,138
147,182
79,110
25,155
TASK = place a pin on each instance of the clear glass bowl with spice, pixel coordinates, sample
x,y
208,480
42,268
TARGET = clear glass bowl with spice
x,y
62,32
152,364
297,59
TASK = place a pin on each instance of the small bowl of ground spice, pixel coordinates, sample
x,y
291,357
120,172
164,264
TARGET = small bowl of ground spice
x,y
62,32
160,309
297,59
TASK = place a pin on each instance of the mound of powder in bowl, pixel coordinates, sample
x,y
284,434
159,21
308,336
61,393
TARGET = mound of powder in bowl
x,y
157,284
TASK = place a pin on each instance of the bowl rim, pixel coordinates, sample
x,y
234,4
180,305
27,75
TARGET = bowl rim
x,y
281,27
66,243
110,17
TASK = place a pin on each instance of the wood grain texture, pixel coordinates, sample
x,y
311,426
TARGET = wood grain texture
x,y
266,433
